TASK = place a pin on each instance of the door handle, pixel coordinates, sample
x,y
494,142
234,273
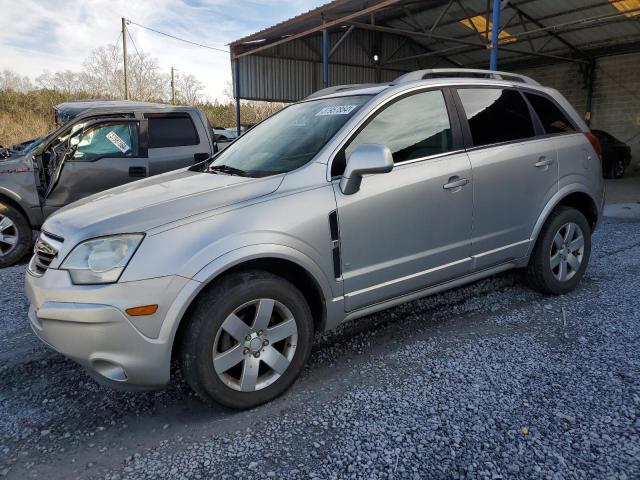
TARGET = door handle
x,y
137,172
455,184
543,162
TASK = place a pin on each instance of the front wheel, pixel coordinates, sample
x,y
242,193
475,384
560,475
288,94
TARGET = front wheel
x,y
247,340
561,254
15,235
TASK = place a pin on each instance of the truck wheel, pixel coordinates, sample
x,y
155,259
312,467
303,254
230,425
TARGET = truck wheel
x,y
15,235
247,339
561,253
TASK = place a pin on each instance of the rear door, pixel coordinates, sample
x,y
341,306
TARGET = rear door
x,y
174,142
109,153
515,171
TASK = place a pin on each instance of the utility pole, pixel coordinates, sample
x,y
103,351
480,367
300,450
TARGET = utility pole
x,y
124,56
173,88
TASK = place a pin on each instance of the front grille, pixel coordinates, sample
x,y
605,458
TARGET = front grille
x,y
46,249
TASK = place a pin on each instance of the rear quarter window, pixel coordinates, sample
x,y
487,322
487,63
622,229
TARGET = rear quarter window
x,y
552,118
496,115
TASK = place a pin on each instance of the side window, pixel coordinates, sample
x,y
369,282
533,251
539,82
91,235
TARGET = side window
x,y
171,131
110,140
551,117
413,127
496,115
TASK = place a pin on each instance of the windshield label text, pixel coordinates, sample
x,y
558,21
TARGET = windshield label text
x,y
118,142
337,110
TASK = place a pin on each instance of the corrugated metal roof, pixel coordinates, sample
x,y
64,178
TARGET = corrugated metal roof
x,y
292,69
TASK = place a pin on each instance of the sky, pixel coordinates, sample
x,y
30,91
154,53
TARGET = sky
x,y
58,35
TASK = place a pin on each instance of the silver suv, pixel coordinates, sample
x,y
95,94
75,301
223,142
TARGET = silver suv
x,y
349,202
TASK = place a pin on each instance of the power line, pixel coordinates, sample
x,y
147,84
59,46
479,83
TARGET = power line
x,y
134,44
178,38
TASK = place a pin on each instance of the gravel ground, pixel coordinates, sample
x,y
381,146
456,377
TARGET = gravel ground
x,y
489,381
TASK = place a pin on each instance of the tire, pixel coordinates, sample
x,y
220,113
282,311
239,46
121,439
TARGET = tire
x,y
246,295
547,251
618,168
15,235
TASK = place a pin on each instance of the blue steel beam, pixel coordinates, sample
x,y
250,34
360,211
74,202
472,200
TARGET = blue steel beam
x,y
495,32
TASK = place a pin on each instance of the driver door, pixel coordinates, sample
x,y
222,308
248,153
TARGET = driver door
x,y
410,228
102,155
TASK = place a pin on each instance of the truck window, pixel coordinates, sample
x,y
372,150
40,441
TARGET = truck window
x,y
171,131
111,140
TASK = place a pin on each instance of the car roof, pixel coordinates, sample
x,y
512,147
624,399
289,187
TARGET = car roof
x,y
435,77
346,90
70,110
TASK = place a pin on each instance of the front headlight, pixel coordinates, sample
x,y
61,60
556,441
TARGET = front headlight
x,y
101,260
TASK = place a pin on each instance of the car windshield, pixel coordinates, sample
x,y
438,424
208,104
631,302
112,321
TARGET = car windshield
x,y
289,139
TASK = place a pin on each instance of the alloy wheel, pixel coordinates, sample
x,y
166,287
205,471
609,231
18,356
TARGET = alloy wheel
x,y
8,235
255,345
618,170
567,251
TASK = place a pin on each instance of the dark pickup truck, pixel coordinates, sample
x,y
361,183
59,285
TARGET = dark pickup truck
x,y
97,145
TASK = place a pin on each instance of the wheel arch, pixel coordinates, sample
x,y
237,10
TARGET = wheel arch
x,y
290,265
576,198
6,197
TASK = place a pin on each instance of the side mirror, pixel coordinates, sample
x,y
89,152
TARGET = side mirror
x,y
366,158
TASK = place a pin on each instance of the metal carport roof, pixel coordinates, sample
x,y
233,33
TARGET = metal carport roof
x,y
365,41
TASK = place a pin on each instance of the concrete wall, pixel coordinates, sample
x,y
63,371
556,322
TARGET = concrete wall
x,y
616,95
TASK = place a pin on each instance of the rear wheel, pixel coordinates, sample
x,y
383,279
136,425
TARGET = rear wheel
x,y
561,253
618,168
15,235
247,340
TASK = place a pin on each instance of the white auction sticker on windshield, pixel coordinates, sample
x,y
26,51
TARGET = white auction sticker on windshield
x,y
337,110
117,141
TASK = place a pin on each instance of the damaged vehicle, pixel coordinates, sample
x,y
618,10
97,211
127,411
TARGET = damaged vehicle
x,y
97,145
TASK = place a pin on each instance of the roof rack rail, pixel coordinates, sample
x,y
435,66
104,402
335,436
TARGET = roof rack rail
x,y
341,88
462,73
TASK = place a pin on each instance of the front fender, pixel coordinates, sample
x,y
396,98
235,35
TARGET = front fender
x,y
236,257
263,250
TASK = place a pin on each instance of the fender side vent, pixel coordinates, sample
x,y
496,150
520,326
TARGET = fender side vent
x,y
335,244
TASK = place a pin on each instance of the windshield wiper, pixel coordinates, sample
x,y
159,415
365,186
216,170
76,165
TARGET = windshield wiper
x,y
229,170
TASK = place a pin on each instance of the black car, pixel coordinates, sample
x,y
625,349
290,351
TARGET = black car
x,y
616,155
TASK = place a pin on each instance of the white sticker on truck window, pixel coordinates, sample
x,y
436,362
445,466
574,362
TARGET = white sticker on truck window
x,y
337,110
118,142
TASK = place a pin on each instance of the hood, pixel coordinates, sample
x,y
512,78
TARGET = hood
x,y
19,148
156,201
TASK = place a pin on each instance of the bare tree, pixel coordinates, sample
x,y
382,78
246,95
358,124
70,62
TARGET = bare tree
x,y
146,82
188,89
10,80
66,82
103,75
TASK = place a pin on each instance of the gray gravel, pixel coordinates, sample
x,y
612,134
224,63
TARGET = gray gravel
x,y
489,381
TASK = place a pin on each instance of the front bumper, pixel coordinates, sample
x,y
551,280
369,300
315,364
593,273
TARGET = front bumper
x,y
88,324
